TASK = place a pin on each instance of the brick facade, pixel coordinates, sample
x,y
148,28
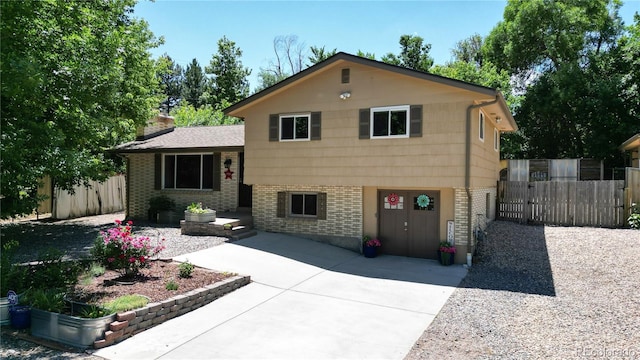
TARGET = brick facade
x,y
480,205
343,226
141,187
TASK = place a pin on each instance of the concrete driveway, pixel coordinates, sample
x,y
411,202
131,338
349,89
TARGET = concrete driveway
x,y
306,300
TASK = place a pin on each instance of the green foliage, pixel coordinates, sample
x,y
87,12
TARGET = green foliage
x,y
53,271
187,115
12,276
125,303
267,78
319,54
229,80
185,269
171,77
367,55
634,216
47,299
161,202
196,208
94,312
172,285
414,54
194,84
77,78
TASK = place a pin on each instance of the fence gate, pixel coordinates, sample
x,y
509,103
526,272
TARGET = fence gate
x,y
578,203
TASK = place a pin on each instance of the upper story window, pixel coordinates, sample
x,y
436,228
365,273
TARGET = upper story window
x,y
188,171
481,126
294,127
390,122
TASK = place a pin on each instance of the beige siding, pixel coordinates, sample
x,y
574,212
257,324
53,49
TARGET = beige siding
x,y
340,158
485,160
142,188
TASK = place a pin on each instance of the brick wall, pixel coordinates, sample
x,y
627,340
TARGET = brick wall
x,y
133,322
343,226
478,206
142,187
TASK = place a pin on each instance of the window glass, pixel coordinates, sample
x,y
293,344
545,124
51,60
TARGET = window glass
x,y
381,123
286,126
398,123
481,125
192,171
169,171
207,171
302,127
187,171
392,121
297,204
294,127
304,204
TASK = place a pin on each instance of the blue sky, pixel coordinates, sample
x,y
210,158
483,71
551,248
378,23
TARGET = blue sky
x,y
192,28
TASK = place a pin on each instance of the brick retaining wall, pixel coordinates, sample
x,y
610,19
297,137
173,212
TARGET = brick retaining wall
x,y
133,322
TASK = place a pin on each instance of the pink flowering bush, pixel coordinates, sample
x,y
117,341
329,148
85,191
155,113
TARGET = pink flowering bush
x,y
447,248
119,250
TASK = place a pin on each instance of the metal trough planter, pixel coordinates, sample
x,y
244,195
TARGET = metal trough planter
x,y
206,217
67,329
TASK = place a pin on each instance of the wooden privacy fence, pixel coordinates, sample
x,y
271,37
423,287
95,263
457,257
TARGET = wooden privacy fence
x,y
577,203
97,198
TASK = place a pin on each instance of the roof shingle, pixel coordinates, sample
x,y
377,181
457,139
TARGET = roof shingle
x,y
184,138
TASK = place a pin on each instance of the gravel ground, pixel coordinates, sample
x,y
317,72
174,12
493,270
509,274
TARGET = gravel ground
x,y
536,292
543,292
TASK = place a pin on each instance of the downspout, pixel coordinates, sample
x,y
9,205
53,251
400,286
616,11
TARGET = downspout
x,y
467,176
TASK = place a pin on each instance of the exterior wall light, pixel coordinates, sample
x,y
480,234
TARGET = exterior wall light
x,y
345,95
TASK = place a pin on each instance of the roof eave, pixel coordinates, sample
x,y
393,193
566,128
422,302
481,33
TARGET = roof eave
x,y
233,109
632,143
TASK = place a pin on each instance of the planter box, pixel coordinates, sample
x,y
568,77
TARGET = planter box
x,y
70,330
209,216
4,310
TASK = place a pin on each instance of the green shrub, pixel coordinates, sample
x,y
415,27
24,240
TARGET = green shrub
x,y
186,269
52,271
634,216
94,312
172,285
47,299
12,276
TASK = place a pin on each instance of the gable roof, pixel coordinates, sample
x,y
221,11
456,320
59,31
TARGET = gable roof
x,y
341,56
631,143
194,138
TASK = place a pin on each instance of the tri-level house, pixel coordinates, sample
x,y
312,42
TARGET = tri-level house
x,y
352,147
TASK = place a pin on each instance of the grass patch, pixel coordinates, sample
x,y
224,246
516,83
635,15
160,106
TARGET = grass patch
x,y
126,303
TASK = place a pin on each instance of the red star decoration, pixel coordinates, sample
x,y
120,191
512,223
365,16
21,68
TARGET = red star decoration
x,y
228,174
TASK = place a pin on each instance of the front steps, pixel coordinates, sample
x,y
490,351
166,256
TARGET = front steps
x,y
235,226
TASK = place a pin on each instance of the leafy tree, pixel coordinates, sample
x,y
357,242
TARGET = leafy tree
x,y
77,78
367,55
171,78
319,54
194,84
188,115
267,78
469,50
414,54
574,61
229,78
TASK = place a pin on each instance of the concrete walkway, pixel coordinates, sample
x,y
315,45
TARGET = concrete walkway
x,y
307,300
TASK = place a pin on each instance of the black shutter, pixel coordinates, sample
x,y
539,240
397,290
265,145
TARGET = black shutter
x,y
217,171
415,121
158,172
316,120
322,206
274,127
345,76
282,204
364,123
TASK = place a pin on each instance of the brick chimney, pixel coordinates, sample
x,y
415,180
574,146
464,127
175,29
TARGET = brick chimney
x,y
159,125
